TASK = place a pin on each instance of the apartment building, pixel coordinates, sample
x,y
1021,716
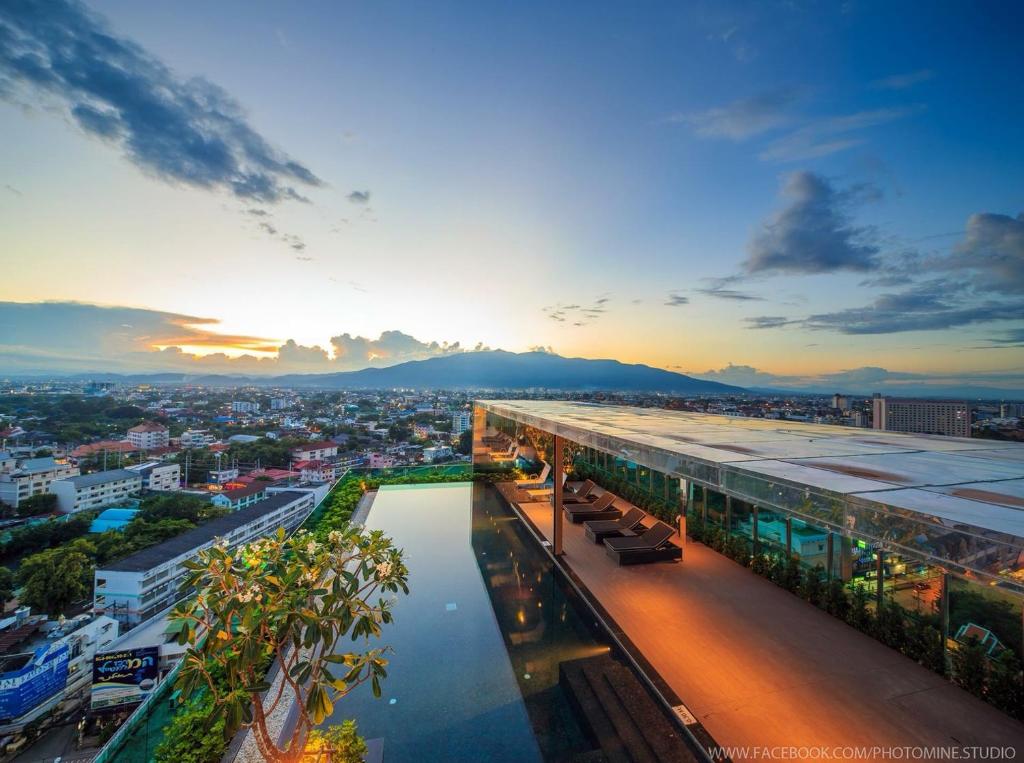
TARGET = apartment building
x,y
95,491
240,497
461,421
149,435
158,476
137,587
21,478
944,417
315,451
244,406
197,438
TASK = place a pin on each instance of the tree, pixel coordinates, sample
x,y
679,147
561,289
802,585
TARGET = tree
x,y
55,578
6,586
293,601
465,446
34,505
970,666
189,738
338,744
1005,689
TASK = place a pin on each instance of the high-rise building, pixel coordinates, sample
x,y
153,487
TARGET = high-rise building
x,y
840,402
461,421
244,406
945,417
1011,410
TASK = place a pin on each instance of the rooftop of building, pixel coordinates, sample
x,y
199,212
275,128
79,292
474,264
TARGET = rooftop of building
x,y
101,478
954,480
148,426
148,558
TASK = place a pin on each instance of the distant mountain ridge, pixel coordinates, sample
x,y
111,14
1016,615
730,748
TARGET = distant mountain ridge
x,y
488,369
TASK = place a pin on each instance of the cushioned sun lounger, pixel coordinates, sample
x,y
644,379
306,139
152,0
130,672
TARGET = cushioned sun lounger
x,y
654,545
582,494
629,524
600,509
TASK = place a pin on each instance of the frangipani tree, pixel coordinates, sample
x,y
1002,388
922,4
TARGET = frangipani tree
x,y
297,601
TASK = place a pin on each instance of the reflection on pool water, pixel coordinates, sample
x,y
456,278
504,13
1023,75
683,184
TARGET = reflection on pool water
x,y
478,640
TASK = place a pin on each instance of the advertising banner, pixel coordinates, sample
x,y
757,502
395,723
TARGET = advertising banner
x,y
124,678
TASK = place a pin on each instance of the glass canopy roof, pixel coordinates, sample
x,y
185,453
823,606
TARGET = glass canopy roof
x,y
949,480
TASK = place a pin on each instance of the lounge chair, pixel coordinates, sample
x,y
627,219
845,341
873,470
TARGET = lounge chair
x,y
628,526
535,482
654,545
582,494
600,509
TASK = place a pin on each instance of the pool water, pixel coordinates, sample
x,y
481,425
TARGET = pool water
x,y
478,640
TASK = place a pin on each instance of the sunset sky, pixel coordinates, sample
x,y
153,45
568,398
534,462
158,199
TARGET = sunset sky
x,y
756,193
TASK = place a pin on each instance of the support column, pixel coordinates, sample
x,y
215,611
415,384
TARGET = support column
x,y
480,451
879,569
727,519
557,495
789,538
944,627
755,544
830,552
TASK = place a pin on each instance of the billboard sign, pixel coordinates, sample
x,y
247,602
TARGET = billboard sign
x,y
124,678
41,676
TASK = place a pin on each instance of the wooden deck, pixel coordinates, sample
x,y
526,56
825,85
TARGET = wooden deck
x,y
760,667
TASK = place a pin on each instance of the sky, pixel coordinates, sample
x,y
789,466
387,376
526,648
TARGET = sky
x,y
766,193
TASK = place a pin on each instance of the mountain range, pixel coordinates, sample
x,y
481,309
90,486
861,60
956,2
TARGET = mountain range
x,y
488,369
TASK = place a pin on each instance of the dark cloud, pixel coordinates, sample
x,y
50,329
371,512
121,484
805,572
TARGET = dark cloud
x,y
720,292
768,321
1014,338
813,232
359,197
185,131
903,81
930,306
578,314
675,299
992,253
744,118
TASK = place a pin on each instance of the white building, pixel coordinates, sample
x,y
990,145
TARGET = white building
x,y
279,403
85,635
159,476
461,421
315,451
197,438
439,453
139,586
316,471
21,478
244,406
95,491
149,435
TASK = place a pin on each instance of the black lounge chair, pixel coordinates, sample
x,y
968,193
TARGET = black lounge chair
x,y
583,494
600,509
654,545
629,525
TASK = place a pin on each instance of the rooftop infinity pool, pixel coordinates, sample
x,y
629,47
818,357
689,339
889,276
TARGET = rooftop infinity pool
x,y
478,640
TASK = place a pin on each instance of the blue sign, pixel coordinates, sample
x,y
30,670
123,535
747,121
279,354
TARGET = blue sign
x,y
43,676
124,678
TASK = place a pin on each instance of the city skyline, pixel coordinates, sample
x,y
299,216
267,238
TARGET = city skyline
x,y
754,196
